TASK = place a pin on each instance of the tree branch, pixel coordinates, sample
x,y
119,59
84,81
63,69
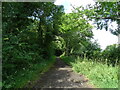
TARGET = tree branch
x,y
106,18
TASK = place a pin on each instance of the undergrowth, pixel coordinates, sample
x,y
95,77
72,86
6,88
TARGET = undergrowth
x,y
101,75
28,75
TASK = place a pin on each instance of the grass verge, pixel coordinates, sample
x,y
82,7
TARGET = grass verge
x,y
101,75
31,74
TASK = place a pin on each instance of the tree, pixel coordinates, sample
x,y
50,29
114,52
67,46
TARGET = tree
x,y
111,53
29,30
92,50
111,13
75,31
102,13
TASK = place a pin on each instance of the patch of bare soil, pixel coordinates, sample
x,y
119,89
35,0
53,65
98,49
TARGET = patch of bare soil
x,y
62,76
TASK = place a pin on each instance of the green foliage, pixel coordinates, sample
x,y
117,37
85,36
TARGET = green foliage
x,y
101,75
29,30
75,30
111,54
92,50
102,13
23,77
68,59
106,12
32,32
111,10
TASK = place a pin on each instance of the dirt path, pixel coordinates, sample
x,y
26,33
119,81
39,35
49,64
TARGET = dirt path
x,y
62,76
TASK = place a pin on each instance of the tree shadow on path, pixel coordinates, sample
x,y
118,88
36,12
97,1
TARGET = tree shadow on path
x,y
62,76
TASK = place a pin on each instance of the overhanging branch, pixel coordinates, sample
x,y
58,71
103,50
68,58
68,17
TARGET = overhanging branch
x,y
107,18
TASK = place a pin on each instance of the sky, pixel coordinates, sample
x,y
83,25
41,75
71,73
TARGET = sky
x,y
103,37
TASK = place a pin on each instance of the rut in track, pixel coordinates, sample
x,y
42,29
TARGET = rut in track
x,y
62,76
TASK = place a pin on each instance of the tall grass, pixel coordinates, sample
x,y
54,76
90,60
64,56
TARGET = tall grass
x,y
101,75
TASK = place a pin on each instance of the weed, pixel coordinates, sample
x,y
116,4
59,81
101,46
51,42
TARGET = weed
x,y
101,75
